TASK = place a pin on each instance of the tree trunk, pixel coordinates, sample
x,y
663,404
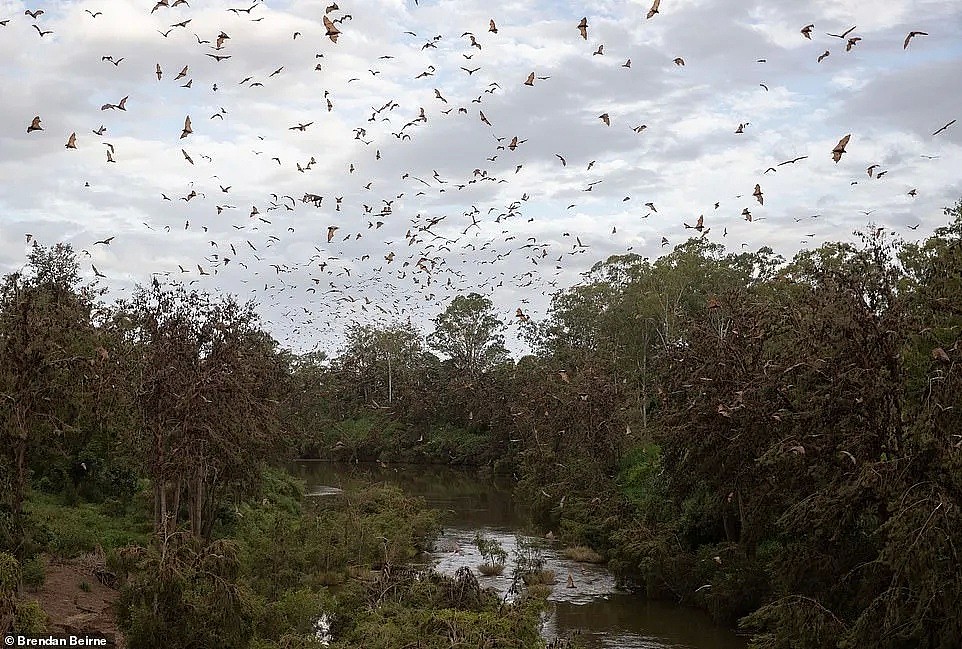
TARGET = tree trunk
x,y
730,534
162,486
644,388
175,508
196,504
211,497
156,486
390,381
158,480
20,481
745,539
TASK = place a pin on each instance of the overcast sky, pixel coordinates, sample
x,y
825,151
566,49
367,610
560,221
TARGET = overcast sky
x,y
443,196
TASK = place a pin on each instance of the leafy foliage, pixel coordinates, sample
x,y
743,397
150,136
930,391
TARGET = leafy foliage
x,y
186,594
405,608
469,334
492,552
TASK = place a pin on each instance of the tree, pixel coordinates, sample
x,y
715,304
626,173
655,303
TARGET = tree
x,y
307,409
207,383
816,410
186,594
49,359
469,333
383,360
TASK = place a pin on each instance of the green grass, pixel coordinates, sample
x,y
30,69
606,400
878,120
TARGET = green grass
x,y
74,529
540,577
491,569
583,554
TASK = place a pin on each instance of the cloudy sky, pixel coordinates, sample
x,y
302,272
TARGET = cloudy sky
x,y
429,207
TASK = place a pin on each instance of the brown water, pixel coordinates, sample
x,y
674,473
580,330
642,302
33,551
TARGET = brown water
x,y
594,609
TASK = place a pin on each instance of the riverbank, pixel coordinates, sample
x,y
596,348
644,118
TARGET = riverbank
x,y
278,564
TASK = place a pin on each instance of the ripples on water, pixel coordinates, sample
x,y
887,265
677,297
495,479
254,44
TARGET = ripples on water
x,y
323,490
591,581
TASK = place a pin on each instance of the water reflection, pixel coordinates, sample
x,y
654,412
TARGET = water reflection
x,y
626,621
593,609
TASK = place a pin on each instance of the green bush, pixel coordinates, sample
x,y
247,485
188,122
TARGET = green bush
x,y
25,616
540,578
411,609
739,584
455,445
491,551
538,591
528,555
584,522
640,478
23,537
282,490
281,550
34,572
291,641
74,529
29,617
652,559
700,520
362,438
295,613
186,595
582,554
10,574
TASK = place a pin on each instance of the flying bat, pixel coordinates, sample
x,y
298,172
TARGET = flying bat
x,y
840,148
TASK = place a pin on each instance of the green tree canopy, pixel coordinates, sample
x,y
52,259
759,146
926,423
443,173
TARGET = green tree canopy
x,y
469,333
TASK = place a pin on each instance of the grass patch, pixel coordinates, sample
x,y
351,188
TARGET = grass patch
x,y
540,578
539,591
74,529
582,554
491,569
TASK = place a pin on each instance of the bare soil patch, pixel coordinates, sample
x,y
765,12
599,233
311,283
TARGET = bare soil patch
x,y
76,600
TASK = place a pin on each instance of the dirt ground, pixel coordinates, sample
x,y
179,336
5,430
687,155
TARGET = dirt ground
x,y
73,607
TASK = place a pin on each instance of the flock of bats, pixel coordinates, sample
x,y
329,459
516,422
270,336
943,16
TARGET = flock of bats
x,y
429,254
